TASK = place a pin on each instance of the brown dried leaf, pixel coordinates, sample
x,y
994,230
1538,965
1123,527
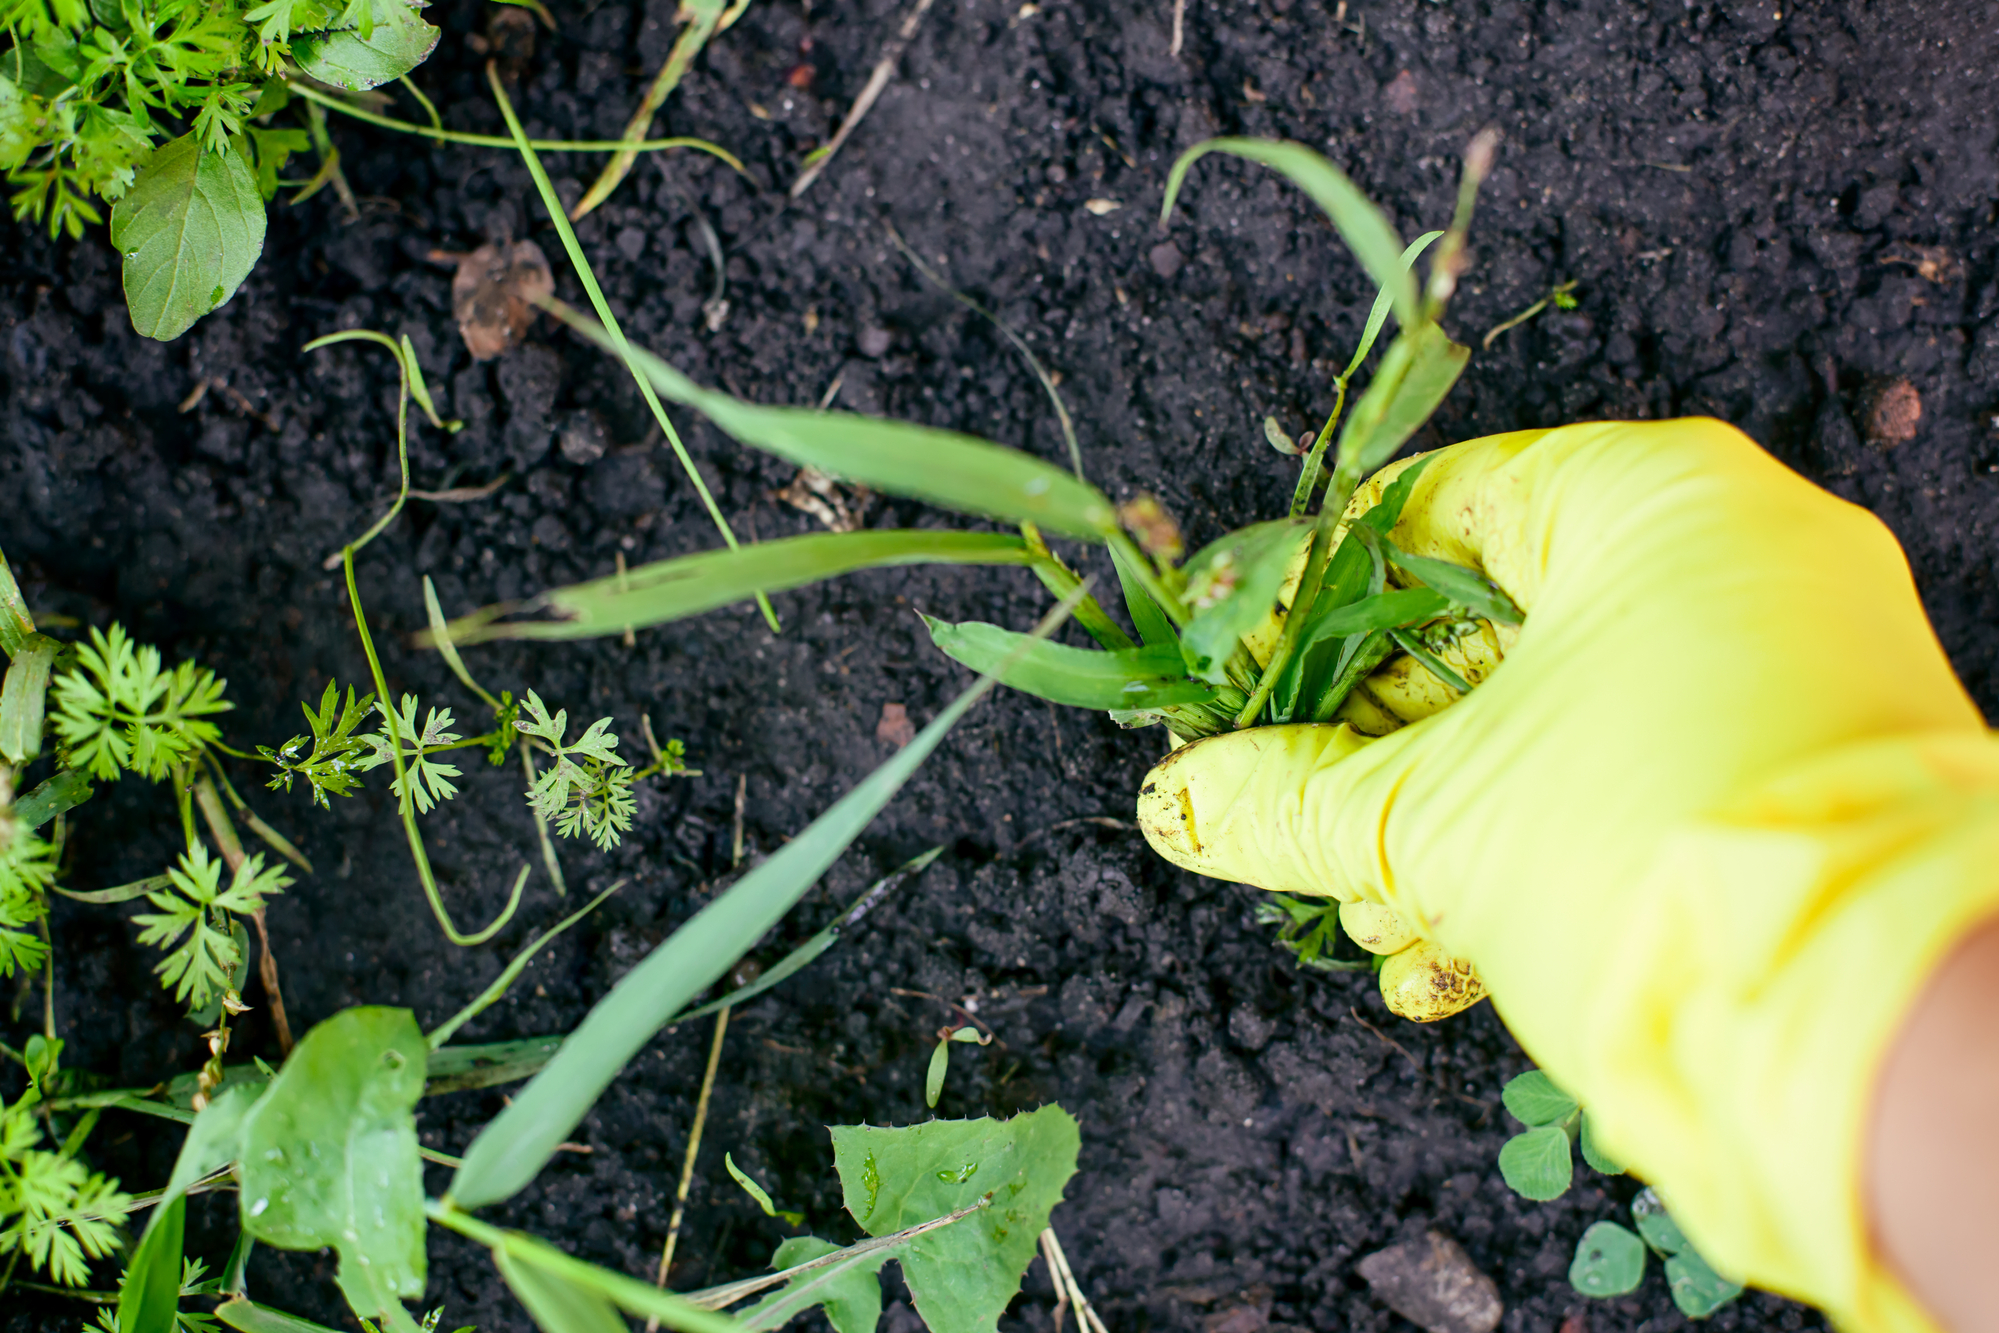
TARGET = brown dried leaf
x,y
839,507
493,294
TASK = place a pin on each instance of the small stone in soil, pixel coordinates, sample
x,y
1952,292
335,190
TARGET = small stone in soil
x,y
1894,410
1431,1282
895,728
1165,259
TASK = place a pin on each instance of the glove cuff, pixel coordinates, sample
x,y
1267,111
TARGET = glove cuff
x,y
1739,1033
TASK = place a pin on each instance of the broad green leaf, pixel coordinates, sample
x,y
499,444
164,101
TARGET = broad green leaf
x,y
215,1138
1460,583
689,585
65,791
1365,229
852,1296
1386,610
1537,1165
249,1317
946,468
16,624
22,697
329,1154
1534,1100
1697,1289
517,1143
1081,677
961,1276
1233,585
349,60
1655,1224
1152,623
1609,1261
1416,373
1595,1156
190,229
557,1304
149,1298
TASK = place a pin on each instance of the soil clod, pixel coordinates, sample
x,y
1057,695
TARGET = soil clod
x,y
1432,1283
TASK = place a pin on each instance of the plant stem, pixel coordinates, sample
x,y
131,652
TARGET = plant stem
x,y
692,38
402,430
693,1147
1308,480
312,94
408,802
553,203
232,853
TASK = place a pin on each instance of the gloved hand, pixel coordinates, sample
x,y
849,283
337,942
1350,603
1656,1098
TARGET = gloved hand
x,y
1704,832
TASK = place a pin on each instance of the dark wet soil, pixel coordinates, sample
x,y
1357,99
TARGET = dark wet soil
x,y
1769,217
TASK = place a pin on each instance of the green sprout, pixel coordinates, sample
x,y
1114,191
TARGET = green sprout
x,y
196,904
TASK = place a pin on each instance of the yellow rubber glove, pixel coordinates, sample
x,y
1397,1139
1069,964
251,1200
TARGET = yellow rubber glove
x,y
1703,832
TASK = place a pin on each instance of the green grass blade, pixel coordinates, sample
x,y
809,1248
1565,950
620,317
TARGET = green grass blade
x,y
560,217
1383,300
1365,229
16,624
65,791
1388,610
458,1068
943,467
23,696
1239,578
149,1297
512,971
689,585
513,1148
246,1316
1416,373
1132,678
557,1304
1460,583
1153,625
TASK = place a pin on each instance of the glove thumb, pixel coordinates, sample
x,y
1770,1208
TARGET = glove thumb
x,y
1294,809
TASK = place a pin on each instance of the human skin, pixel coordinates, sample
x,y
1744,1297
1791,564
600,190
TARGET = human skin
x,y
1932,1153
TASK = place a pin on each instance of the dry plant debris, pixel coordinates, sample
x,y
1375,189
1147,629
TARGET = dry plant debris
x,y
494,293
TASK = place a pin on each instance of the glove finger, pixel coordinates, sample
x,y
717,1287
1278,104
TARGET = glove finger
x,y
1294,809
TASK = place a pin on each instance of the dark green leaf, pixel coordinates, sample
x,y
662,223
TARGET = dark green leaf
x,y
250,1317
1364,228
1463,585
329,1154
1152,623
961,1276
557,1304
65,791
1081,677
1655,1224
123,893
190,229
1416,373
514,1146
1697,1289
944,467
1609,1261
690,585
1537,1165
22,697
214,1140
349,60
1534,1100
1233,584
1435,665
149,1299
1595,1156
15,622
852,1297
457,1068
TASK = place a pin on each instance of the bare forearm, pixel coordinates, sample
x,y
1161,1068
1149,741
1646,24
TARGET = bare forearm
x,y
1933,1149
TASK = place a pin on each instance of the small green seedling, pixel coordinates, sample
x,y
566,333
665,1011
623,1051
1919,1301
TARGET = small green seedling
x,y
1537,1164
1610,1261
1310,929
940,1059
757,1192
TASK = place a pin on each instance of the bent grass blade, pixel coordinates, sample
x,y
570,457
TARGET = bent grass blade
x,y
689,585
1365,228
1130,678
956,471
515,1145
